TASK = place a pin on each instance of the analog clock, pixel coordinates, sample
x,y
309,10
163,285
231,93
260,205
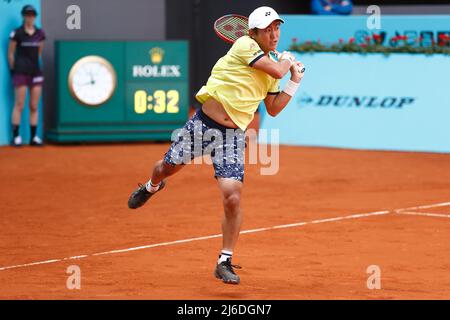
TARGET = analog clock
x,y
92,80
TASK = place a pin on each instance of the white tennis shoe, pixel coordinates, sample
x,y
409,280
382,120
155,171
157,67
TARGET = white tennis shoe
x,y
17,141
36,141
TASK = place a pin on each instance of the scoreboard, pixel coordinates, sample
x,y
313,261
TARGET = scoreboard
x,y
120,90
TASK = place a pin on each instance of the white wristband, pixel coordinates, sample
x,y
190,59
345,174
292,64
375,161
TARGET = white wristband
x,y
291,87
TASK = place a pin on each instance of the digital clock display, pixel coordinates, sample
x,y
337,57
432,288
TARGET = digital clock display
x,y
159,101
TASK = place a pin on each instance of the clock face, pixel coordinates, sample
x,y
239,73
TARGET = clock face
x,y
92,80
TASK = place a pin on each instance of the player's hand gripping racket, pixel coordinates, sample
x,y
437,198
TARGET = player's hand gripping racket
x,y
233,26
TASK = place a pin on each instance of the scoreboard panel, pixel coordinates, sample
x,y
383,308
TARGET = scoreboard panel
x,y
120,90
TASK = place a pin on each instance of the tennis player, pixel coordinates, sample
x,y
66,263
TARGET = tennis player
x,y
239,81
25,48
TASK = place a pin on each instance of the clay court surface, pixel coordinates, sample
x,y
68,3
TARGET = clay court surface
x,y
58,202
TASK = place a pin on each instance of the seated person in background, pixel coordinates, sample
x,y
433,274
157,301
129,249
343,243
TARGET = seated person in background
x,y
331,7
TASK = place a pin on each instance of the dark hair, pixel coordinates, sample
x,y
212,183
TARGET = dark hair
x,y
255,30
28,9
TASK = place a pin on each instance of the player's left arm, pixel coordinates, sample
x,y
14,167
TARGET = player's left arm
x,y
11,52
41,43
41,47
275,103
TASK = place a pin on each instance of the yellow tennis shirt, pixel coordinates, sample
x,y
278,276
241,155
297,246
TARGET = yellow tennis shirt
x,y
236,85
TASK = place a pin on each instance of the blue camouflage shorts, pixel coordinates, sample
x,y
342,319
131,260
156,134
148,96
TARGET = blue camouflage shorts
x,y
202,136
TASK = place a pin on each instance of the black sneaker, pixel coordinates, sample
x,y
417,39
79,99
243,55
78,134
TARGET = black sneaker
x,y
141,195
225,272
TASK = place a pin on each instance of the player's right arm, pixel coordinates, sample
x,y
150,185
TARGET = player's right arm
x,y
13,37
248,51
11,50
276,70
276,102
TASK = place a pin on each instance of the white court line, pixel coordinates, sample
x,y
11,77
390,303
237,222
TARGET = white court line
x,y
353,216
298,224
426,214
442,204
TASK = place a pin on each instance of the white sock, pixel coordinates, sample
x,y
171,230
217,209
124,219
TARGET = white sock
x,y
224,256
152,188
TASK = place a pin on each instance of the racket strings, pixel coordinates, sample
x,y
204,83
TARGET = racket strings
x,y
232,27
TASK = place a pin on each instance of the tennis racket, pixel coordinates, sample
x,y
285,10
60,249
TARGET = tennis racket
x,y
233,26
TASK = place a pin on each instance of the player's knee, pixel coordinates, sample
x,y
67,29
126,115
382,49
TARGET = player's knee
x,y
34,107
19,104
231,202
